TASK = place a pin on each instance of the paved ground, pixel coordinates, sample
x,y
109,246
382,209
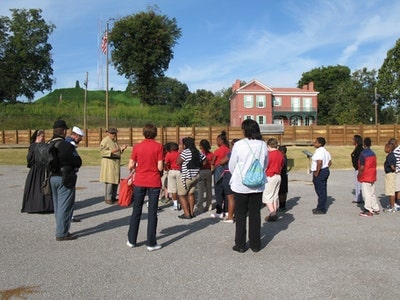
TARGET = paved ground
x,y
338,255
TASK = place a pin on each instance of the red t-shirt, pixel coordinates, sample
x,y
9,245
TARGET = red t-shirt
x,y
146,155
170,160
209,157
220,153
275,163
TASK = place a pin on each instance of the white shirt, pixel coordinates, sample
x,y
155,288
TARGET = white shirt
x,y
240,161
320,154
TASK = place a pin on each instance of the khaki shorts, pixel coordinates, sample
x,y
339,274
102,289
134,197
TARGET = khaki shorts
x,y
173,177
189,187
390,184
397,187
271,191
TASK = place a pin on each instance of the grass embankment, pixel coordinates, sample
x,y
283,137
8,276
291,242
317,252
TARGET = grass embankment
x,y
91,156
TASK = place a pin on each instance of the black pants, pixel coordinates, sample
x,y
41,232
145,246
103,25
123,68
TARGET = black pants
x,y
248,204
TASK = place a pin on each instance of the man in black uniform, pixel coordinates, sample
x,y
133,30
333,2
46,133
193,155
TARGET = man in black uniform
x,y
63,180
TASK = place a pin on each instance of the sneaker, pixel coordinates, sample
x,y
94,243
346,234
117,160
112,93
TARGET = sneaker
x,y
217,216
228,221
68,237
390,209
366,214
130,245
154,248
376,212
174,207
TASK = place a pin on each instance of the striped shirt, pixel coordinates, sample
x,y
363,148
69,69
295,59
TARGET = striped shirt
x,y
186,156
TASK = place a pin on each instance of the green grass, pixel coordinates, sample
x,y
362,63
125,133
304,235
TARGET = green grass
x,y
91,156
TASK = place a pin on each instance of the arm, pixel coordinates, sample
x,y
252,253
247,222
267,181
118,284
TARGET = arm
x,y
160,165
319,165
131,165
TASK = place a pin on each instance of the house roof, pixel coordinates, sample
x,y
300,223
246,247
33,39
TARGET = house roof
x,y
255,86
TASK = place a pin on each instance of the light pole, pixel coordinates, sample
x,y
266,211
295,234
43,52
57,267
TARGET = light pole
x,y
376,106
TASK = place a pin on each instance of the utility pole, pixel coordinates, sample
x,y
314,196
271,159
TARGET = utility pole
x,y
376,106
85,103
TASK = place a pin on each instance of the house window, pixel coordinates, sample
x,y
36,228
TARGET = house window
x,y
248,101
295,104
261,120
260,99
307,104
248,117
277,101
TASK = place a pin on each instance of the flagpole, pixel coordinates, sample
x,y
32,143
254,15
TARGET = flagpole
x,y
107,77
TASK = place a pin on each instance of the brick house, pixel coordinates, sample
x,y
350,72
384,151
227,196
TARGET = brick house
x,y
266,105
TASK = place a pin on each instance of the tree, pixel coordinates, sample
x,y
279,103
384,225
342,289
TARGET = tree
x,y
168,91
326,80
143,49
25,57
355,101
388,85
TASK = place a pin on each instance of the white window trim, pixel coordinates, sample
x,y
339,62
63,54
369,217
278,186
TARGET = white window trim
x,y
264,100
246,100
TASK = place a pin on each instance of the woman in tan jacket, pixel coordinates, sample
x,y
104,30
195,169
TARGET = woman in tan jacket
x,y
110,164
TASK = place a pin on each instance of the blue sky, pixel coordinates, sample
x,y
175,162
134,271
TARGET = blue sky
x,y
269,40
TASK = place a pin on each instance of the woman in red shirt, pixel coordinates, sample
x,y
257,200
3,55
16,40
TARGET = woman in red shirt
x,y
219,170
147,162
205,185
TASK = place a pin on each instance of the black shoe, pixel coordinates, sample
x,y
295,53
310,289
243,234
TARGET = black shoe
x,y
75,219
273,218
68,237
183,216
240,250
255,249
317,211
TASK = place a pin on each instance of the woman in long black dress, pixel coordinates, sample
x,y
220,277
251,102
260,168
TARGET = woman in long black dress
x,y
34,201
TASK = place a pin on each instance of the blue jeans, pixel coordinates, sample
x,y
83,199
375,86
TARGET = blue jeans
x,y
320,186
63,201
138,200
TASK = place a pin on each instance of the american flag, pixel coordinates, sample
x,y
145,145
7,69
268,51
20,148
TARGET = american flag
x,y
104,44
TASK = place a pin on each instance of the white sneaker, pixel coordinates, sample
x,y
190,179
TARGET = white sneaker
x,y
175,207
217,216
154,248
130,245
228,221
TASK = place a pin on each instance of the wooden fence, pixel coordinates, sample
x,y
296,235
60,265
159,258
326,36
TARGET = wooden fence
x,y
336,135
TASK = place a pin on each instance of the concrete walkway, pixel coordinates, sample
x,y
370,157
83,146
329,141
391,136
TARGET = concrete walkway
x,y
334,256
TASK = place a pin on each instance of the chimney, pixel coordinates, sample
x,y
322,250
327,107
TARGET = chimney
x,y
311,86
305,87
236,85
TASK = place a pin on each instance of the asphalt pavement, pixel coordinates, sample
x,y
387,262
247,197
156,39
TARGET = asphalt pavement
x,y
339,255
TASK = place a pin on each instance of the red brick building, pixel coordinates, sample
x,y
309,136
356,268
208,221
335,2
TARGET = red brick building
x,y
266,105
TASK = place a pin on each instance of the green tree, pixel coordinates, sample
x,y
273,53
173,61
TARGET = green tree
x,y
143,45
25,55
388,85
326,80
355,103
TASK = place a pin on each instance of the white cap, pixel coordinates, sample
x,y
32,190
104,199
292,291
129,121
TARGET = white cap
x,y
77,130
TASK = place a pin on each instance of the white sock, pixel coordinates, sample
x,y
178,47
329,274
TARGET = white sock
x,y
175,203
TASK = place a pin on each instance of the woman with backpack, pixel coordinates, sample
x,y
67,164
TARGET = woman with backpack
x,y
248,199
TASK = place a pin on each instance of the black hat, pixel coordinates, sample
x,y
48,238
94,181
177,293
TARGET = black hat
x,y
60,124
112,130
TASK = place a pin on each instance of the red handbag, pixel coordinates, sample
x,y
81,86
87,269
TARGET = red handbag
x,y
126,190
